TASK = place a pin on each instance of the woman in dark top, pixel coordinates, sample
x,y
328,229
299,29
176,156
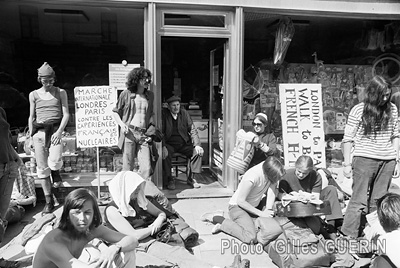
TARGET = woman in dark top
x,y
267,141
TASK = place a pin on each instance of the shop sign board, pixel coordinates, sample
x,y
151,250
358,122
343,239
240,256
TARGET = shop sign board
x,y
118,73
302,123
95,124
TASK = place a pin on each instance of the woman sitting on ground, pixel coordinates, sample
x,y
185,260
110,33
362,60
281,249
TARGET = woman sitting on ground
x,y
257,181
131,213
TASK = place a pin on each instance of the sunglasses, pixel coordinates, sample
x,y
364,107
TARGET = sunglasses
x,y
257,124
146,79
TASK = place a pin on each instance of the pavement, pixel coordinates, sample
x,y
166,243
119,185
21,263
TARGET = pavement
x,y
217,249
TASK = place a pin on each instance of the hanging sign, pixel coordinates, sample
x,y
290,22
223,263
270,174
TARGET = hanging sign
x,y
118,72
95,124
302,123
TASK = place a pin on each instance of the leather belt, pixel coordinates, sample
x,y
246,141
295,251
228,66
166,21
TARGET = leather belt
x,y
138,129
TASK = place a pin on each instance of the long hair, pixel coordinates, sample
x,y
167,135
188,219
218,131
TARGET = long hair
x,y
134,76
273,169
376,114
388,207
75,200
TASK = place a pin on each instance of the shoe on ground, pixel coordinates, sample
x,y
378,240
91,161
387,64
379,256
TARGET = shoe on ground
x,y
48,208
245,263
57,184
216,229
193,183
171,185
208,217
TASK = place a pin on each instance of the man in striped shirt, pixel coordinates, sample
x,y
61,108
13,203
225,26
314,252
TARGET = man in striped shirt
x,y
371,136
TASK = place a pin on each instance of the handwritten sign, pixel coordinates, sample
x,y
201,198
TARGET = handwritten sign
x,y
95,124
302,123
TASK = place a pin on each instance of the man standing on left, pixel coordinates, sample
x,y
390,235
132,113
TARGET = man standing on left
x,y
134,114
81,223
48,116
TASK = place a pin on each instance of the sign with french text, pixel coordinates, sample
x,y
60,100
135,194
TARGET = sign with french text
x,y
302,123
95,124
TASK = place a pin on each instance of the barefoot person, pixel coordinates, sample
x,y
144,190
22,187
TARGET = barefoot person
x,y
257,181
80,223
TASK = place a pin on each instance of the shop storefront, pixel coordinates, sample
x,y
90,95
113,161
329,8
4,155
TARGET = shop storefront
x,y
218,55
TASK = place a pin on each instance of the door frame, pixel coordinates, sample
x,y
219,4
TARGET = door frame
x,y
233,32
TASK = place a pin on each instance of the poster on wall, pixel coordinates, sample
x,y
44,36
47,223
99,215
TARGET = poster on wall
x,y
95,124
302,123
118,72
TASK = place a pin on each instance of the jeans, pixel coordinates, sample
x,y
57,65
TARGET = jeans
x,y
136,157
240,225
329,193
8,174
371,180
46,159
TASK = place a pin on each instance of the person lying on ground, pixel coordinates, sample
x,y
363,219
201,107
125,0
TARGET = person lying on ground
x,y
131,213
243,206
80,223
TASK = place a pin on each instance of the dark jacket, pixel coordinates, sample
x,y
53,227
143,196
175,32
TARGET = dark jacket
x,y
186,128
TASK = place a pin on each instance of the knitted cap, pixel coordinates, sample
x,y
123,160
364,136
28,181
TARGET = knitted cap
x,y
45,70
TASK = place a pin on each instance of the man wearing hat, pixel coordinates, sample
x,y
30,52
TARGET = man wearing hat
x,y
48,117
180,135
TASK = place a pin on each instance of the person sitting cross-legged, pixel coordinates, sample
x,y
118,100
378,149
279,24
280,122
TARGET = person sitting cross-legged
x,y
180,136
257,181
80,223
305,178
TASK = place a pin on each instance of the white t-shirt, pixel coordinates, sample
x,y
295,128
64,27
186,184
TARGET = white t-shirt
x,y
390,244
256,177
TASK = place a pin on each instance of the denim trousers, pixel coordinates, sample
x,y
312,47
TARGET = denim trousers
x,y
240,225
371,180
8,174
136,157
46,159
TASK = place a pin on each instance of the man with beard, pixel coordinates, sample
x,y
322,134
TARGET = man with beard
x,y
81,223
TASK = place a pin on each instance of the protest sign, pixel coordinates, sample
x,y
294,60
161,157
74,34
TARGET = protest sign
x,y
95,124
302,123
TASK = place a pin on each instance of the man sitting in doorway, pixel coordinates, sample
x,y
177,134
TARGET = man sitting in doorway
x,y
180,136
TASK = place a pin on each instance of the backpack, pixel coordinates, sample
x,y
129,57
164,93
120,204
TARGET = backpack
x,y
298,247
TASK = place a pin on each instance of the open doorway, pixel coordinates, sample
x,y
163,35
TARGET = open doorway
x,y
185,71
